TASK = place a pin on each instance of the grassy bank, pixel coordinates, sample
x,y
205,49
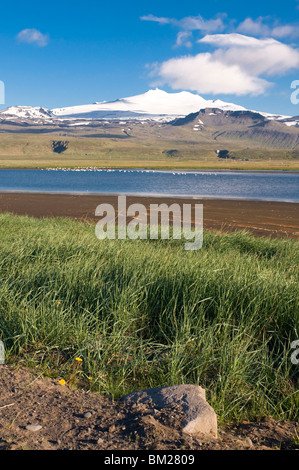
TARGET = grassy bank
x,y
118,316
145,150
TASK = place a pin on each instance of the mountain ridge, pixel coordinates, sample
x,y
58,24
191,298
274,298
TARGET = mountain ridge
x,y
155,104
163,117
238,125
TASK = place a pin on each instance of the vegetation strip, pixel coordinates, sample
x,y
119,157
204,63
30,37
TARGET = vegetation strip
x,y
115,316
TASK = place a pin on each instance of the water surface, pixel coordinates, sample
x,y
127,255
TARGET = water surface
x,y
255,185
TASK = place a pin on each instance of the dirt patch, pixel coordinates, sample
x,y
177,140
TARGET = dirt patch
x,y
67,419
262,218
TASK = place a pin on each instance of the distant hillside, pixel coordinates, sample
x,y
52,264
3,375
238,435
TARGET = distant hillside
x,y
152,129
240,125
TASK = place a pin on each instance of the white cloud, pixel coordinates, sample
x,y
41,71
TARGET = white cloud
x,y
237,66
254,27
156,19
183,39
256,56
263,26
266,26
190,23
187,25
203,74
235,39
33,36
242,61
285,31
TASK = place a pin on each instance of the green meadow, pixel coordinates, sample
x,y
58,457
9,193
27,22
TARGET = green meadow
x,y
115,316
144,150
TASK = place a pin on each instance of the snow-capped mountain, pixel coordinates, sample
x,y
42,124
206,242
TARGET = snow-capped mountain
x,y
157,105
154,104
27,112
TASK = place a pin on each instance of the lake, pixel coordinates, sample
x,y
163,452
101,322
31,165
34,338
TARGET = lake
x,y
255,185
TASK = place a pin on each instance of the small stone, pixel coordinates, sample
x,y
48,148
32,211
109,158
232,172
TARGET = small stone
x,y
239,443
33,427
112,428
88,414
2,353
248,442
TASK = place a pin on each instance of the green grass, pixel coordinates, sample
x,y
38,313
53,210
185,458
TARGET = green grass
x,y
148,313
144,150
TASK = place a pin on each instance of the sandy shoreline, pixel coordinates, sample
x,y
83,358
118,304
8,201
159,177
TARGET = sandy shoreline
x,y
263,218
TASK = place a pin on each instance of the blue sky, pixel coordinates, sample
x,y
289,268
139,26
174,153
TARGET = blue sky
x,y
66,53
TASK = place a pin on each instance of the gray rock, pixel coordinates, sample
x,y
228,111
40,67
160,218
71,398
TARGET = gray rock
x,y
2,353
200,418
88,414
33,427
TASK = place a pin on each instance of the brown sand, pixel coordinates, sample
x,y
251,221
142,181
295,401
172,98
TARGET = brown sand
x,y
275,219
